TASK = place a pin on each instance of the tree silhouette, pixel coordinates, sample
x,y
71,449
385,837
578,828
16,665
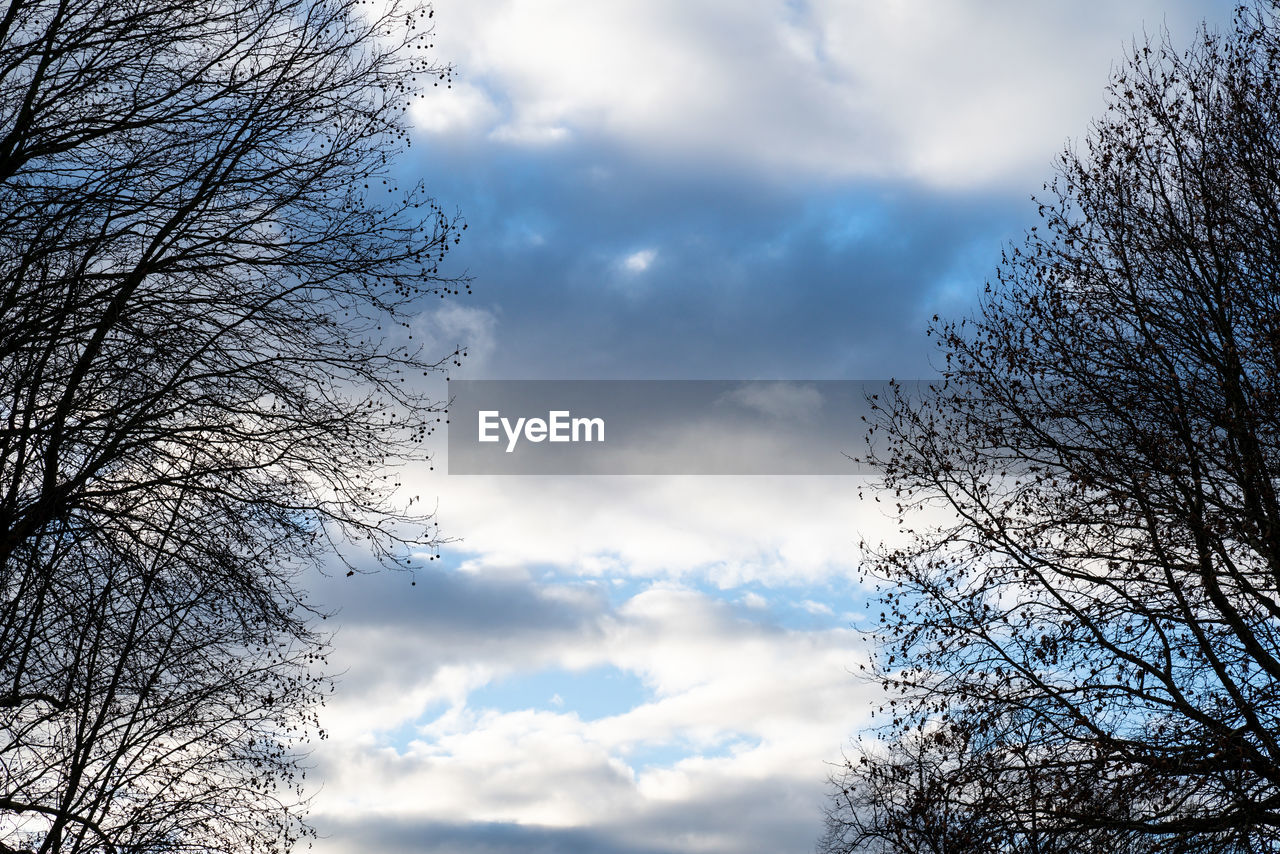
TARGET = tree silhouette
x,y
1106,448
207,367
956,788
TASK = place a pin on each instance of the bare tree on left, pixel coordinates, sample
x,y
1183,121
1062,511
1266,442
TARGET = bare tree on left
x,y
207,374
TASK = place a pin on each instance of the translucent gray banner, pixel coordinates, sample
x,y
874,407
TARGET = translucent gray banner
x,y
773,427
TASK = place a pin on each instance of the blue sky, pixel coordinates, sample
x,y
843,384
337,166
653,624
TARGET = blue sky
x,y
701,189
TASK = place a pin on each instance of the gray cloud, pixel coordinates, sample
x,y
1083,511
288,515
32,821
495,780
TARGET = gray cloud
x,y
740,817
439,603
749,280
407,836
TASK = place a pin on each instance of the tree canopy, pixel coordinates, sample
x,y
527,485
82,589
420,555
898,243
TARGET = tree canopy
x,y
1099,621
207,373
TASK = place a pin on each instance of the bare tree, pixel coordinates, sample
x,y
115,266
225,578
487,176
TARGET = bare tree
x,y
1107,445
207,369
161,711
955,788
909,796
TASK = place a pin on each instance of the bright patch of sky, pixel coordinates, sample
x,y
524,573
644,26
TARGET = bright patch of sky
x,y
592,694
638,262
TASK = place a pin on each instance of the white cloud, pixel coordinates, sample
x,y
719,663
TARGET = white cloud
x,y
579,574
948,93
641,576
758,710
731,530
462,111
638,262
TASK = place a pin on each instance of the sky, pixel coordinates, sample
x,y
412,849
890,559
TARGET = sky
x,y
681,189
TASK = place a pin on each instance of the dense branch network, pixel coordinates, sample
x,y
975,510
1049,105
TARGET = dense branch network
x,y
1099,622
207,370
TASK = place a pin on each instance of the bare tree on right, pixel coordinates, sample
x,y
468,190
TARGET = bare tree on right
x,y
1106,446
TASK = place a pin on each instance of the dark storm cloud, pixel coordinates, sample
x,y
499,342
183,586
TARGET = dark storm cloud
x,y
746,279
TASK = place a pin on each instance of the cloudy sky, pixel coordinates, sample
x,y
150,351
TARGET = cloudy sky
x,y
681,189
